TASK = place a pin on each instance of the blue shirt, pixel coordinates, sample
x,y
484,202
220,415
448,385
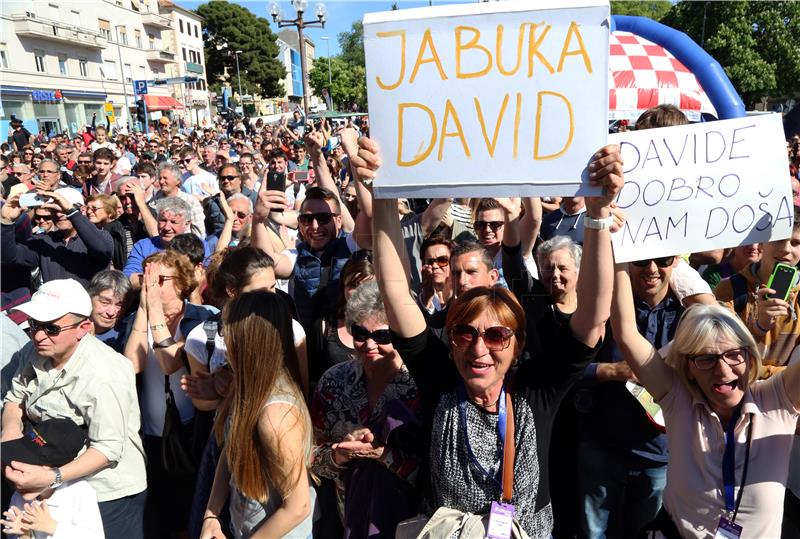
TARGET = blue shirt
x,y
144,248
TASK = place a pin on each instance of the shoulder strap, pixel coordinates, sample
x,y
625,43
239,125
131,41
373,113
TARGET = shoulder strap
x,y
739,285
508,450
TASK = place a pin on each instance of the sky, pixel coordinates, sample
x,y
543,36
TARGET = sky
x,y
341,15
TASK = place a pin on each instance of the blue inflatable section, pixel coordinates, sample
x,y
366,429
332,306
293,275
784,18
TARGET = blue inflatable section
x,y
707,70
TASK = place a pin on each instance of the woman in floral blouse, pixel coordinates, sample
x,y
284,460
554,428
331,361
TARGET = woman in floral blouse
x,y
364,413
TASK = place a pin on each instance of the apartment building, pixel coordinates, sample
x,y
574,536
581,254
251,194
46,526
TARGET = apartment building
x,y
62,60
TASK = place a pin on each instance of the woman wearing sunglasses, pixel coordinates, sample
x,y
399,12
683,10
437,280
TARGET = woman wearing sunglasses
x,y
470,401
730,437
362,412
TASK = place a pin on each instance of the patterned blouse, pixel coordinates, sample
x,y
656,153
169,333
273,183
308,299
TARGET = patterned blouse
x,y
340,405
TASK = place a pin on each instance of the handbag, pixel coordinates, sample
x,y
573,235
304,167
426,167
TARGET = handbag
x,y
447,522
177,455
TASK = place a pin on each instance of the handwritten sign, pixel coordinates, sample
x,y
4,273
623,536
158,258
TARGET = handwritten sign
x,y
488,99
703,186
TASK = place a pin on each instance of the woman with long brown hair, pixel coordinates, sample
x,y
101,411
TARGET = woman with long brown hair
x,y
265,425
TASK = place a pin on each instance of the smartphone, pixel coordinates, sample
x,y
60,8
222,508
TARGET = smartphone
x,y
276,181
32,200
302,176
781,281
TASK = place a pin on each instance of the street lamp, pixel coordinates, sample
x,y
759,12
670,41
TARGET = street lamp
x,y
330,78
300,7
224,46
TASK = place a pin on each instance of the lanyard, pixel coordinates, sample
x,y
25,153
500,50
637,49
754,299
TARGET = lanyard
x,y
729,466
501,429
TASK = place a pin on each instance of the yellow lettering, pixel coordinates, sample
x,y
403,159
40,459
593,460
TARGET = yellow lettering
x,y
537,132
427,43
450,111
472,44
533,49
402,34
517,118
499,50
490,146
421,154
575,30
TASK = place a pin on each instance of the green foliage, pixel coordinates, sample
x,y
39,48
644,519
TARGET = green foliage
x,y
352,44
260,70
653,9
755,42
349,82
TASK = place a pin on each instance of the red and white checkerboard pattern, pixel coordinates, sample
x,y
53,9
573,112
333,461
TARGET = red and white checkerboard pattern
x,y
642,74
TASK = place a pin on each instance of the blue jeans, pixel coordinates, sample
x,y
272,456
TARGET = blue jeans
x,y
620,491
123,518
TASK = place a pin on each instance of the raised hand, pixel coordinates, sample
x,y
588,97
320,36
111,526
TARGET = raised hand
x,y
605,171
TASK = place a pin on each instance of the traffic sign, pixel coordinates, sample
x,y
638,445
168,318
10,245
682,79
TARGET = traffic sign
x,y
140,87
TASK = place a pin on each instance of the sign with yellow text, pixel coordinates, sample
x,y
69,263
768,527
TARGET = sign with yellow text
x,y
488,99
704,186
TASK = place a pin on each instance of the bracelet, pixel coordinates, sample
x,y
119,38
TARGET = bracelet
x,y
598,224
166,343
759,328
140,330
156,327
211,516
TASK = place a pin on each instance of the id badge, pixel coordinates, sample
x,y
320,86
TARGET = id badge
x,y
727,529
500,519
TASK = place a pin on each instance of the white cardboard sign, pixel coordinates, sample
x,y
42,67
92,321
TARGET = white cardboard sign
x,y
488,99
703,186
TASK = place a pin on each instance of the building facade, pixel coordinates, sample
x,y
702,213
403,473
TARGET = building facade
x,y
62,61
289,55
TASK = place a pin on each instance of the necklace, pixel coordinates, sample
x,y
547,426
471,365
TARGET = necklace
x,y
486,408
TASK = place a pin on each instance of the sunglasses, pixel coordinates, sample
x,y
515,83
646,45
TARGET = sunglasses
x,y
441,261
241,214
186,161
227,178
706,362
361,255
322,218
494,225
42,217
495,338
380,336
663,262
49,328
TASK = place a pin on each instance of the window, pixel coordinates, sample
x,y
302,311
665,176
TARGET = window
x,y
76,17
196,31
183,49
137,35
152,39
110,70
123,35
83,65
62,65
126,70
3,59
39,59
180,24
142,73
105,29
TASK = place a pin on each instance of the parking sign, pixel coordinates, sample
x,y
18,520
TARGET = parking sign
x,y
140,87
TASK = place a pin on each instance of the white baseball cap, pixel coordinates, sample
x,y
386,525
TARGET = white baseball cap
x,y
72,195
56,298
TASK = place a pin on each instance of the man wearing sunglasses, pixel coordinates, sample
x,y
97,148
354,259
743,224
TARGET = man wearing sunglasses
x,y
197,182
230,184
68,373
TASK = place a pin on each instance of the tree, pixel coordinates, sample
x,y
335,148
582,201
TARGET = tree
x,y
352,44
349,82
755,42
235,25
653,9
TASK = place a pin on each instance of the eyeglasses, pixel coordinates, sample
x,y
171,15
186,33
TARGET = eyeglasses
x,y
322,218
227,178
441,261
186,161
161,279
494,225
380,336
93,209
49,328
495,338
45,171
706,362
663,262
42,217
241,214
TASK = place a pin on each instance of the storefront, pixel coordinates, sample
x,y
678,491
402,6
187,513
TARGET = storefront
x,y
50,110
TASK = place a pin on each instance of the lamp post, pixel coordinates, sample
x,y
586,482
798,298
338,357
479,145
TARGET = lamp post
x,y
300,7
239,77
124,84
330,78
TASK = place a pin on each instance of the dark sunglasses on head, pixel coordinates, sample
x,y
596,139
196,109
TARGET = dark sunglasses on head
x,y
49,328
496,338
380,336
663,262
228,178
42,217
322,218
494,225
361,254
441,261
706,362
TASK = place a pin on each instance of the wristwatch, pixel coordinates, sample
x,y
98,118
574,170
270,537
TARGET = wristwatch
x,y
58,481
598,224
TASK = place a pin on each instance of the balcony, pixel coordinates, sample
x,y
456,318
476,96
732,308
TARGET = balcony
x,y
28,24
160,57
156,20
192,67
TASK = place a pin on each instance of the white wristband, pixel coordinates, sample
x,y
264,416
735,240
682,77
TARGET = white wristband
x,y
598,224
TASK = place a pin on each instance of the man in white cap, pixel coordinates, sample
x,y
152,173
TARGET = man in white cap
x,y
75,248
68,373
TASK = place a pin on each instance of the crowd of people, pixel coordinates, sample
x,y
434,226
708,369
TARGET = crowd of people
x,y
219,332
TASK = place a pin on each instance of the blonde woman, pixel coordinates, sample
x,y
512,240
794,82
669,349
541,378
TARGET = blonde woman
x,y
265,426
